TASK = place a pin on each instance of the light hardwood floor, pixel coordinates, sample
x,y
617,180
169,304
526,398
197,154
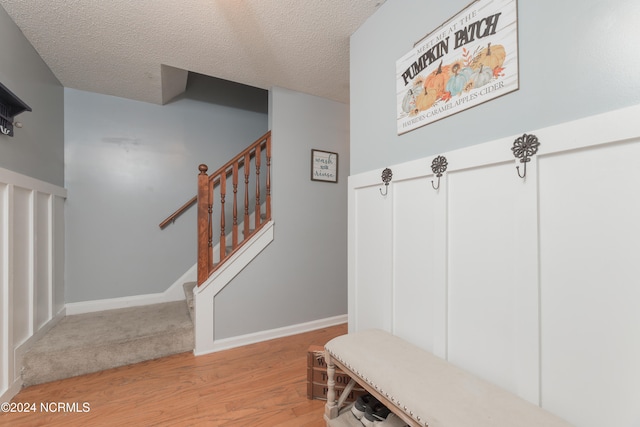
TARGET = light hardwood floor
x,y
261,384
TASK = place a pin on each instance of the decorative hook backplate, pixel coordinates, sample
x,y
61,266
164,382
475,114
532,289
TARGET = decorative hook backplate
x,y
386,178
523,148
438,166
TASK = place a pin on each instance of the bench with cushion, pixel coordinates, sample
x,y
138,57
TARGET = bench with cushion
x,y
421,388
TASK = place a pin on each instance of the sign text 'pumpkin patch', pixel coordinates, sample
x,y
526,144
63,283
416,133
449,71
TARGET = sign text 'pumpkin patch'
x,y
470,59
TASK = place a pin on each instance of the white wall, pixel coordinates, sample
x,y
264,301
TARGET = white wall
x,y
130,164
529,283
576,58
302,275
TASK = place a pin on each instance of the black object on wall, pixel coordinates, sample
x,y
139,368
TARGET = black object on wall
x,y
386,178
438,166
10,106
524,147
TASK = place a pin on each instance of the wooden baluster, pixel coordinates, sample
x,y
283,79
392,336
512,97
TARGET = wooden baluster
x,y
268,178
206,198
203,224
223,237
210,228
235,205
247,171
257,211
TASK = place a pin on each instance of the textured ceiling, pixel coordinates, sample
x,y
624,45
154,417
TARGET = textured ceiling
x,y
142,49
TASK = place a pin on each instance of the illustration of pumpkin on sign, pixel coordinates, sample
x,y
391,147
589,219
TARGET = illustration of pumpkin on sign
x,y
470,72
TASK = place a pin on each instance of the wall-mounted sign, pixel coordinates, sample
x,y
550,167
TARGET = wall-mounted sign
x,y
324,166
470,59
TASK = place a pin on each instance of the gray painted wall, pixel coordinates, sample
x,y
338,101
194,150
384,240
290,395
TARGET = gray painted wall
x,y
129,165
36,150
302,275
577,58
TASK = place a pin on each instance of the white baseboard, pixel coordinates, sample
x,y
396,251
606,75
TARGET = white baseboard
x,y
174,293
19,352
228,343
27,344
11,392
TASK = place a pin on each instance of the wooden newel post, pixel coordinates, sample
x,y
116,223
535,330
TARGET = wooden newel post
x,y
203,224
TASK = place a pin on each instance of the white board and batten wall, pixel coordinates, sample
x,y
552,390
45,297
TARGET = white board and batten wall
x,y
533,284
31,268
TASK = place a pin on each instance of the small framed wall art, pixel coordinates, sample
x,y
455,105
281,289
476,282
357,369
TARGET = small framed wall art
x,y
324,166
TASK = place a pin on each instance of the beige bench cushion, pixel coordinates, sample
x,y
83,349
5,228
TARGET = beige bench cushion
x,y
429,389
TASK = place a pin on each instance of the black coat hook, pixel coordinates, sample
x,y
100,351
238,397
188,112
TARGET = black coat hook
x,y
386,178
438,166
523,148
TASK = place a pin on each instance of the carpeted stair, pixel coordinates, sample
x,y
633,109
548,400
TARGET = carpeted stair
x,y
188,291
92,342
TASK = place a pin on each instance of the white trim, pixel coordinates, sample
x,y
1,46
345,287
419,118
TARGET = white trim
x,y
176,290
203,296
50,257
33,254
230,269
30,183
613,126
233,342
6,289
19,352
174,293
10,382
36,210
532,368
11,391
25,346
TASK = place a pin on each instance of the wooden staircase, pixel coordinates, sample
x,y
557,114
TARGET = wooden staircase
x,y
232,229
207,196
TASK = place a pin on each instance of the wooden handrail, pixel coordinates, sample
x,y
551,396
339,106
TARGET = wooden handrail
x,y
172,218
207,198
238,158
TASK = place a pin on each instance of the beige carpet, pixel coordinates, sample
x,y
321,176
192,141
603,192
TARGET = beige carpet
x,y
93,342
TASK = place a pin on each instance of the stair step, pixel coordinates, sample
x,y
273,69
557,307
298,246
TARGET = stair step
x,y
92,342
